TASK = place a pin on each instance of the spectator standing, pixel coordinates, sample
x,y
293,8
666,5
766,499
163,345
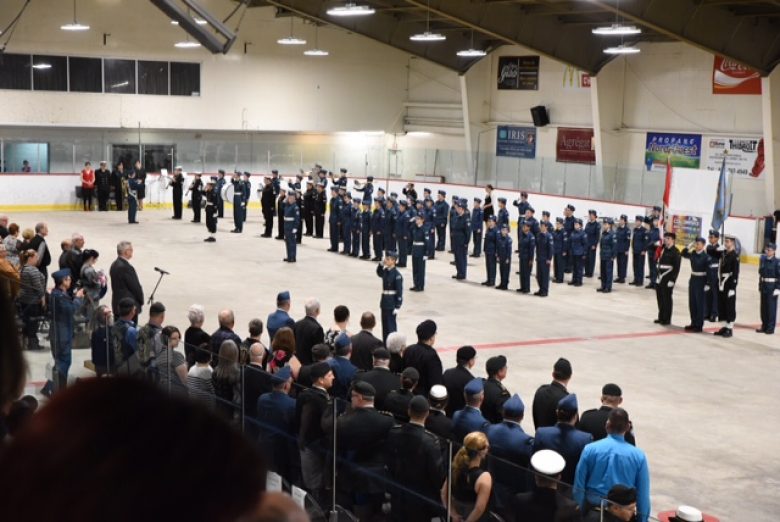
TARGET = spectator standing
x,y
227,380
423,357
87,185
308,331
455,379
364,343
38,243
124,280
194,336
547,396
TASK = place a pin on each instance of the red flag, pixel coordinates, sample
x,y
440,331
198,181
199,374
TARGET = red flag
x,y
665,209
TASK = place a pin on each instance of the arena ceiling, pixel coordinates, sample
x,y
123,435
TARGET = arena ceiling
x,y
747,31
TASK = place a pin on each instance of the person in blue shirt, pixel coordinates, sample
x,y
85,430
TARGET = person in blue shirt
x,y
334,218
63,310
561,250
391,215
470,418
653,243
418,235
402,232
491,250
612,461
568,227
592,234
357,227
769,288
503,214
579,252
430,218
460,230
343,369
512,448
699,259
638,248
623,244
476,227
504,253
365,227
346,224
392,293
281,317
440,219
378,229
607,252
526,248
545,250
292,222
276,420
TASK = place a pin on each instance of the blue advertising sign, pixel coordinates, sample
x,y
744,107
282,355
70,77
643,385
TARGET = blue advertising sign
x,y
683,150
516,142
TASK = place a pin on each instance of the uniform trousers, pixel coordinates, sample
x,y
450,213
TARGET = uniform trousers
x,y
622,265
768,311
418,272
711,299
268,220
504,268
334,236
543,276
525,274
477,236
211,219
663,295
652,266
696,298
238,223
319,225
591,262
607,268
639,268
389,324
441,231
577,266
490,267
378,244
727,305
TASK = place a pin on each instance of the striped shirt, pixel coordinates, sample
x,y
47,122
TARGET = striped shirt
x,y
200,386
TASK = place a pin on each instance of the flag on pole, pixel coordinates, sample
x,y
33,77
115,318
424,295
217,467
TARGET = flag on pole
x,y
665,208
720,213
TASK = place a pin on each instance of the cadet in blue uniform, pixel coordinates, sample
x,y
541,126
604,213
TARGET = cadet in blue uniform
x,y
668,270
281,201
246,194
715,251
527,247
592,235
504,253
418,235
430,226
238,196
623,243
440,219
522,205
476,227
367,190
503,214
133,186
334,218
545,250
378,229
460,228
546,219
470,418
402,232
579,253
365,227
491,249
196,197
357,227
638,248
221,182
390,217
653,243
607,251
530,218
450,216
512,448
728,275
346,224
769,288
564,438
210,196
697,283
392,293
292,222
561,249
568,227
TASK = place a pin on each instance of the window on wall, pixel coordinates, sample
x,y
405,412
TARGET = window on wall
x,y
50,73
26,157
152,77
15,71
86,74
185,79
119,76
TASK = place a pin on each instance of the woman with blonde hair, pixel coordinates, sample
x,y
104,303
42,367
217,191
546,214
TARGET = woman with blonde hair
x,y
471,484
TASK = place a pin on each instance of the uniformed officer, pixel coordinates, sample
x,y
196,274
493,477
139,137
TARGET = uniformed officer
x,y
503,214
196,197
211,208
334,219
221,182
392,293
299,203
450,216
697,294
342,181
491,250
133,186
470,417
402,232
238,224
568,227
564,438
377,229
320,206
357,227
476,227
281,203
365,230
545,250
546,219
430,226
526,248
460,229
522,205
622,244
178,188
715,251
367,189
268,206
495,392
728,275
418,254
769,288
592,235
579,252
638,249
654,242
276,182
309,198
346,223
504,253
530,217
607,252
440,219
391,214
292,222
246,194
668,270
561,250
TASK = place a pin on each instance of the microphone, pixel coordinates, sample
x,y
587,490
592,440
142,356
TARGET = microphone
x,y
164,272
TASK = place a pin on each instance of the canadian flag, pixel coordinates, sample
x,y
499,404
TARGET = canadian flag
x,y
665,208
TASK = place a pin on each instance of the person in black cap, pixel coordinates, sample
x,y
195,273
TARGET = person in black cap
x,y
397,401
292,224
491,249
424,358
476,227
275,412
654,248
547,396
238,192
377,229
221,182
727,287
568,227
246,194
595,421
622,245
560,249
392,293
63,309
502,215
495,392
334,218
526,247
268,207
308,207
697,294
715,251
545,251
320,206
769,288
419,234
455,379
592,236
619,506
668,269
638,249
578,244
607,252
504,254
438,423
380,377
196,197
346,224
210,194
460,230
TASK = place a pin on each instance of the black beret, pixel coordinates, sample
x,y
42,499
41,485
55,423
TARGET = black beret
x,y
465,353
319,370
365,389
419,405
622,495
381,353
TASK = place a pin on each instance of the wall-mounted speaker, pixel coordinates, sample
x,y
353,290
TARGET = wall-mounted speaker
x,y
540,116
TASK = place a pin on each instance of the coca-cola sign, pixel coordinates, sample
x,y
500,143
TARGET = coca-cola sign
x,y
731,77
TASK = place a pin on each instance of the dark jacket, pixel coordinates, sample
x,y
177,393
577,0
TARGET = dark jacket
x,y
363,345
595,423
309,408
566,440
308,332
125,283
495,396
545,505
220,336
546,403
425,360
383,381
455,380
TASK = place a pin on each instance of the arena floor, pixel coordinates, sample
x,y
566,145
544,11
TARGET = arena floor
x,y
704,408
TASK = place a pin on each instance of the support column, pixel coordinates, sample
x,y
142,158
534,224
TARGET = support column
x,y
464,100
606,95
770,105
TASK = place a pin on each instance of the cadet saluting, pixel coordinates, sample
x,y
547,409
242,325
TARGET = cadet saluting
x,y
728,273
392,293
607,247
292,222
697,283
418,253
377,228
668,270
769,288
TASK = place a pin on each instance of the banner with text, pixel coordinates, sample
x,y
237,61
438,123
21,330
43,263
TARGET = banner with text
x,y
744,156
684,150
575,146
730,77
519,73
516,142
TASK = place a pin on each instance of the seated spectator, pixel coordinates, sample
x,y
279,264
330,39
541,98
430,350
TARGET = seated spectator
x,y
194,336
199,378
227,380
471,484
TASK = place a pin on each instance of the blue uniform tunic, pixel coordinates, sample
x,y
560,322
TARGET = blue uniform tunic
x,y
545,250
491,249
593,234
561,249
638,249
623,237
377,232
696,286
477,215
392,298
504,253
440,220
292,222
607,253
768,285
527,247
579,252
418,235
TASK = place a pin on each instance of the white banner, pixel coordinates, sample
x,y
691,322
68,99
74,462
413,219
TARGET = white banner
x,y
745,156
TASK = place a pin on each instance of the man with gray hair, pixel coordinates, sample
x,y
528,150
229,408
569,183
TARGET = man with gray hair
x,y
225,333
74,258
124,280
396,344
38,243
308,331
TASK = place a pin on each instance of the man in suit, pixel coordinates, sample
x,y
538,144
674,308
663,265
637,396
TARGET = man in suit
x,y
470,417
595,421
424,358
564,438
455,379
275,412
312,442
545,502
308,331
256,383
380,377
124,280
437,422
547,396
281,317
364,343
495,392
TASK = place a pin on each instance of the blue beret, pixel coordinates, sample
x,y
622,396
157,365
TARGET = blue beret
x,y
771,246
504,226
403,202
624,217
463,203
531,209
593,212
343,340
477,200
609,221
492,218
391,253
559,220
282,376
443,192
714,233
568,403
59,275
502,200
578,221
545,212
474,387
283,296
514,406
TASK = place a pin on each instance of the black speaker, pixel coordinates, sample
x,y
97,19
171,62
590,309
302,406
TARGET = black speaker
x,y
540,116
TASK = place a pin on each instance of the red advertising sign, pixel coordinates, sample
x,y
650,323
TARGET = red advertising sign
x,y
575,146
730,77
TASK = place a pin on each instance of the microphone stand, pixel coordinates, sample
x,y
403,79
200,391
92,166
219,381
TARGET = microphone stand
x,y
151,297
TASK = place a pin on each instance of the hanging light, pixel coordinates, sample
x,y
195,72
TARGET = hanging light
x,y
427,35
351,9
617,29
75,26
186,44
316,51
622,49
291,40
471,52
41,66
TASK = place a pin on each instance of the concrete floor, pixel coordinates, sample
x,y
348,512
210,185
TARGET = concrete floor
x,y
704,408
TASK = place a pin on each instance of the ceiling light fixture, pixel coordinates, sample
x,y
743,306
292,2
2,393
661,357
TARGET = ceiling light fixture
x,y
617,30
622,49
427,35
291,40
186,44
75,26
351,9
471,52
41,66
316,51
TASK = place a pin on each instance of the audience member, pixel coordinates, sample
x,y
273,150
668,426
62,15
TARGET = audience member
x,y
149,343
283,352
341,320
63,311
124,280
455,379
194,336
101,342
255,333
224,333
125,334
546,502
437,422
619,506
364,343
9,275
397,401
32,297
564,438
595,421
94,283
396,345
13,244
547,396
320,353
281,316
171,364
423,357
343,369
38,243
308,331
380,376
471,483
227,381
275,414
495,392
470,418
199,378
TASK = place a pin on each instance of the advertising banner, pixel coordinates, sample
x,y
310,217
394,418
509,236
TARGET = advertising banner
x,y
516,142
744,156
684,150
730,77
519,73
575,146
687,229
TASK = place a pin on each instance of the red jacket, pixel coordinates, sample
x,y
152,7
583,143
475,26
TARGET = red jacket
x,y
88,179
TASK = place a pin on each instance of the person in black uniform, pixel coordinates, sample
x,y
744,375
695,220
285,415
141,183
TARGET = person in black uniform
x,y
103,186
455,379
320,206
132,198
312,442
377,228
365,230
668,268
292,223
715,251
238,224
177,183
117,179
595,421
413,457
437,422
334,218
496,393
380,377
268,207
196,195
769,288
281,203
697,294
728,274
308,207
424,358
392,293
140,179
221,181
397,401
546,398
491,247
545,502
418,235
210,195
460,233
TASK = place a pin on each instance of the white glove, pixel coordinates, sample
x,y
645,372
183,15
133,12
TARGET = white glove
x,y
776,293
425,258
670,284
395,311
721,248
731,293
295,231
706,288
